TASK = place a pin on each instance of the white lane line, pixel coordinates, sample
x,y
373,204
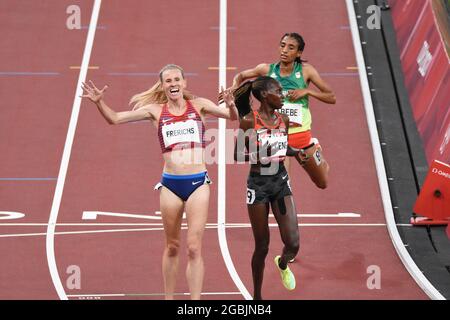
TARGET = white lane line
x,y
112,224
221,188
8,215
66,155
227,225
327,215
409,263
92,215
79,232
97,224
106,295
184,227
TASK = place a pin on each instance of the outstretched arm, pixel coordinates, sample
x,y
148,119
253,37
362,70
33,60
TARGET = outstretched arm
x,y
209,107
97,96
260,70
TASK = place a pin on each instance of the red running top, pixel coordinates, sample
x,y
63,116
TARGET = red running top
x,y
181,132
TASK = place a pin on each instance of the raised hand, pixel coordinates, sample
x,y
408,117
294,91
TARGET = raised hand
x,y
226,96
293,95
92,92
229,90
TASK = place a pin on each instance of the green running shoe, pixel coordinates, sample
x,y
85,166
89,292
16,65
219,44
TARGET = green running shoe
x,y
287,277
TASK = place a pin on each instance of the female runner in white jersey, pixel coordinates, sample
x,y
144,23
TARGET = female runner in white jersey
x,y
179,117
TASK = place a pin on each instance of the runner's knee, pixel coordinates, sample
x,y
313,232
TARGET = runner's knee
x,y
293,246
194,251
173,248
262,249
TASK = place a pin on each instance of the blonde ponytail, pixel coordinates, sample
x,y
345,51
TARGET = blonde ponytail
x,y
156,95
153,95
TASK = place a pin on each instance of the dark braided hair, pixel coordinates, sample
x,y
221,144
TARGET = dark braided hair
x,y
242,93
301,43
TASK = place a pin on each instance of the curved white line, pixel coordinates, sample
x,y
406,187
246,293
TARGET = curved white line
x,y
92,215
9,215
50,237
221,192
409,263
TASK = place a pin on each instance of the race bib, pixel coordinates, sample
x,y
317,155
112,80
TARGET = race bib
x,y
277,140
179,132
251,196
293,111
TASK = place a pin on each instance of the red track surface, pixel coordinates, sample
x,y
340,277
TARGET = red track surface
x,y
113,169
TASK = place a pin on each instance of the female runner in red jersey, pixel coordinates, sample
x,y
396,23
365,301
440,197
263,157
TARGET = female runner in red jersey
x,y
263,140
179,118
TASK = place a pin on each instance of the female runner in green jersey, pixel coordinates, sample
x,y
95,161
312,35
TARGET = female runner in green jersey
x,y
294,76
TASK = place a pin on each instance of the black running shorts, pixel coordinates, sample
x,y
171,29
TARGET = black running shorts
x,y
267,188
